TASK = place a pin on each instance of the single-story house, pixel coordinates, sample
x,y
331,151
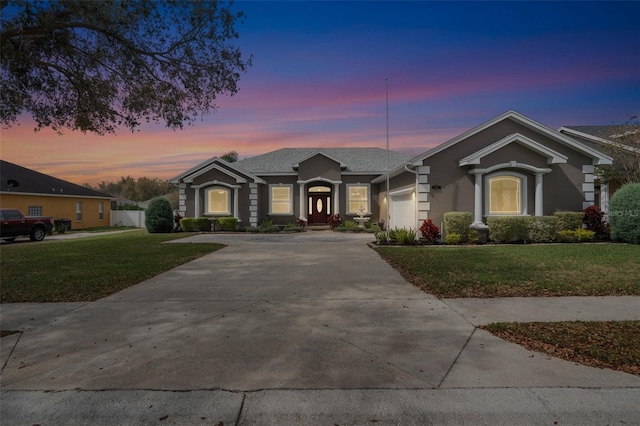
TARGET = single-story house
x,y
509,165
38,194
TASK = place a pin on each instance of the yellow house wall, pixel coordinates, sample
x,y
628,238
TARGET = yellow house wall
x,y
61,207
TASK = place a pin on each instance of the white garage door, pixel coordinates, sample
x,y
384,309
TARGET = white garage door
x,y
403,211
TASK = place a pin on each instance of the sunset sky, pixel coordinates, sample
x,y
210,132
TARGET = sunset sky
x,y
318,80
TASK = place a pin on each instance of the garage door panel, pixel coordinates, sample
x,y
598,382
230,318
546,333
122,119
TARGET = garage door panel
x,y
402,211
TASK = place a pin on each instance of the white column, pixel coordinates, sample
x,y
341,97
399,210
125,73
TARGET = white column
x,y
197,202
477,203
336,198
539,195
604,198
303,211
235,202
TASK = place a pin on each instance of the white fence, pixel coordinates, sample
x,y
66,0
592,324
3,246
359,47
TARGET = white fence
x,y
127,218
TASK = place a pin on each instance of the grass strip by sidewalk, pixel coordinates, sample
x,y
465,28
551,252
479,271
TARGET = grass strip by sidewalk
x,y
519,270
607,344
90,268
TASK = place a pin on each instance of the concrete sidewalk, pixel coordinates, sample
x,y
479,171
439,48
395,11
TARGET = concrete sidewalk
x,y
309,328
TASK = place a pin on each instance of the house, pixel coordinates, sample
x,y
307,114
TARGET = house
x,y
38,194
605,138
509,165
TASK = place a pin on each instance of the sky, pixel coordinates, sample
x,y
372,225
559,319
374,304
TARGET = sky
x,y
321,71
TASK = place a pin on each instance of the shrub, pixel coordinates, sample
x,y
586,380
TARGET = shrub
x,y
159,216
576,236
593,219
228,223
403,236
458,223
509,229
543,229
334,221
624,214
568,221
186,223
350,225
429,231
267,223
382,237
453,238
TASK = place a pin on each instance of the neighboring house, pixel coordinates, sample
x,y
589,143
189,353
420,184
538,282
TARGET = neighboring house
x,y
38,194
510,165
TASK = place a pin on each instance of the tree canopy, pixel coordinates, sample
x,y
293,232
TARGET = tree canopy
x,y
95,66
230,157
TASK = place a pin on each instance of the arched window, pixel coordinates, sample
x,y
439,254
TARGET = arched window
x,y
218,201
506,194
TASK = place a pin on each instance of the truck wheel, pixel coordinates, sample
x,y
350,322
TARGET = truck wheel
x,y
37,234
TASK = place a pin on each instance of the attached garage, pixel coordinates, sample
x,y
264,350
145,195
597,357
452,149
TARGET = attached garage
x,y
403,210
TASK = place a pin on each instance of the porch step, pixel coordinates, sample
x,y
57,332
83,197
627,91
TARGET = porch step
x,y
318,227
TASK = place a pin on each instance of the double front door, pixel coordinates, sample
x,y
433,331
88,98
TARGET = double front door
x,y
319,208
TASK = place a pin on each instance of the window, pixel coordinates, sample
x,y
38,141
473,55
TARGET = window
x,y
35,211
281,200
506,194
78,211
358,199
101,211
218,201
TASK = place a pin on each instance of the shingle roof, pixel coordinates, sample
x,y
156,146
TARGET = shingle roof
x,y
33,182
356,160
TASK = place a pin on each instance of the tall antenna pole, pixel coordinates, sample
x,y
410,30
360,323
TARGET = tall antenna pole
x,y
388,163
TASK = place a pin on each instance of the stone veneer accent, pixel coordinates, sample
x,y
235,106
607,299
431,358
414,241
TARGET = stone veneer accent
x,y
423,193
253,204
588,186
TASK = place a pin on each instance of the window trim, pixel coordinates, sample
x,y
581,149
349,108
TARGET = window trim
x,y
101,211
523,193
207,212
280,185
367,207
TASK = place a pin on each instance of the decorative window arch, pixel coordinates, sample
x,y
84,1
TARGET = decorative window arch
x,y
505,194
217,200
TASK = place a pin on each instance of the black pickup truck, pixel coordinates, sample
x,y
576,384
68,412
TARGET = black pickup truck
x,y
13,224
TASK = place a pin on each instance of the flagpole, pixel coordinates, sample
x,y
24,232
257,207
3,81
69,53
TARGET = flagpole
x,y
388,161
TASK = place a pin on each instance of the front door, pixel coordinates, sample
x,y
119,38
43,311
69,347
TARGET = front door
x,y
319,208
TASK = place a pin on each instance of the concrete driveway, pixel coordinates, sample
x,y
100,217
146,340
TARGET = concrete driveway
x,y
301,318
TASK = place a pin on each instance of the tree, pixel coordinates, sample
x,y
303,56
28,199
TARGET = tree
x,y
622,143
95,66
230,157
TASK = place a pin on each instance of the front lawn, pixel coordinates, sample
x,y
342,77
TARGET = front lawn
x,y
90,268
519,270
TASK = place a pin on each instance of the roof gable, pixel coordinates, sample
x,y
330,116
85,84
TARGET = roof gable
x,y
314,154
553,157
598,157
216,163
33,182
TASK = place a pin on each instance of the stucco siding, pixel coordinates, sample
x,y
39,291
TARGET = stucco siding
x,y
319,165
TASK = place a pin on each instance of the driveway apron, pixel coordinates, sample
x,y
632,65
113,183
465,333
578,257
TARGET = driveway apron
x,y
317,310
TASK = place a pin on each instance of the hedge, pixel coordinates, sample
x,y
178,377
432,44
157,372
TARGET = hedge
x,y
458,223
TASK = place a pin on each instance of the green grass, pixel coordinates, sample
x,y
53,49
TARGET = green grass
x,y
612,344
90,268
520,270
